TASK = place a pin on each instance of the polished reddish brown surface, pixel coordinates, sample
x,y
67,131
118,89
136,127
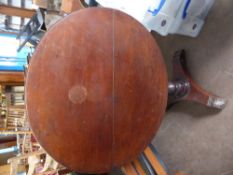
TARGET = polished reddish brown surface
x,y
96,90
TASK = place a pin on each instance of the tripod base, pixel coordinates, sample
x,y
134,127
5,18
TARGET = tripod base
x,y
183,87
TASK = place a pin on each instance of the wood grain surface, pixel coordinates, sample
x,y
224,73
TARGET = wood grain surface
x,y
96,90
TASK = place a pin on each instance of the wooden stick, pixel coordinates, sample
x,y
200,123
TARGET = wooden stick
x,y
24,156
15,132
15,11
154,162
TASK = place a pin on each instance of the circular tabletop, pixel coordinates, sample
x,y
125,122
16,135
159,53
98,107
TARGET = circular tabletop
x,y
96,90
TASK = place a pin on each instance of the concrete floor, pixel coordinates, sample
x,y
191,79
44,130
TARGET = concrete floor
x,y
193,138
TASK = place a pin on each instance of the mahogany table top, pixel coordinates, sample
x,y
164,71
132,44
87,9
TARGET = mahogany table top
x,y
96,90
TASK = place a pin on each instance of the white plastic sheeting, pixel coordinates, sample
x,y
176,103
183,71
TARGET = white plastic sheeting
x,y
185,17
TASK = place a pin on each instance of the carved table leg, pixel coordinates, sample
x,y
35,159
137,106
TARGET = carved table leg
x,y
183,87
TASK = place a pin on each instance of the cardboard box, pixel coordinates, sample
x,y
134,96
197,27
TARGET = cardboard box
x,y
69,6
41,3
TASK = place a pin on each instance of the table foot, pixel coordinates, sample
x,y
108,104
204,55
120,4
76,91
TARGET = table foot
x,y
183,87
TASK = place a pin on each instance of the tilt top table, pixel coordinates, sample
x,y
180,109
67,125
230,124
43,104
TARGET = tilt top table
x,y
97,90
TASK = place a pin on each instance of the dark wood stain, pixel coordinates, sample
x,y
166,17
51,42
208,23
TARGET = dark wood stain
x,y
121,81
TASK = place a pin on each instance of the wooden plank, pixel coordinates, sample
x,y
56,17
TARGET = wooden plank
x,y
16,11
69,6
138,167
8,145
11,78
41,3
5,169
24,156
9,32
14,132
6,139
129,170
154,162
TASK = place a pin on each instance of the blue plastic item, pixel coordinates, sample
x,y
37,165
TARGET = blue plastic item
x,y
156,11
186,8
